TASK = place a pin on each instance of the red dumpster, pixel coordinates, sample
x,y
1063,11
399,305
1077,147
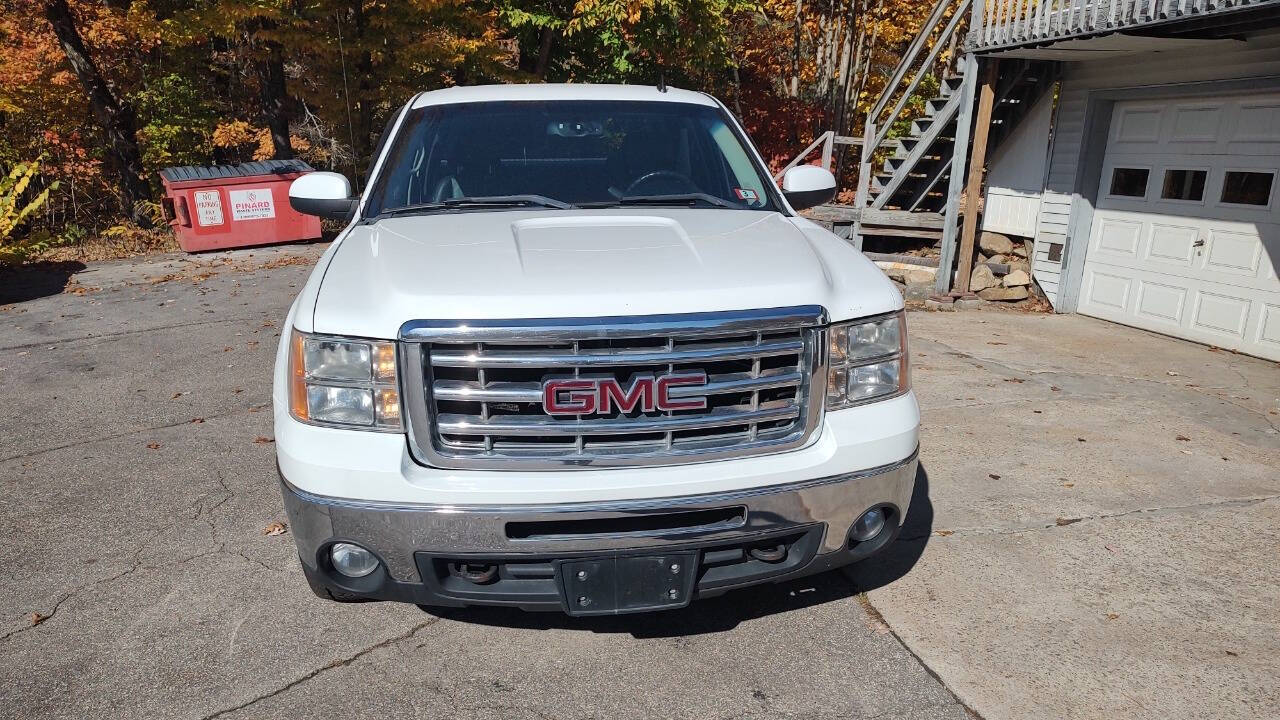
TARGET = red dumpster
x,y
228,206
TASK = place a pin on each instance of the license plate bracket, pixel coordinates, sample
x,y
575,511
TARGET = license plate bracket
x,y
618,584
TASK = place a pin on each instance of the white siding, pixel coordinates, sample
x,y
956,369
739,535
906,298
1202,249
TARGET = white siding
x,y
1258,57
1015,176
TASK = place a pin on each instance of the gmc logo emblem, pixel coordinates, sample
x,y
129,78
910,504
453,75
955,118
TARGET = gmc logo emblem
x,y
605,395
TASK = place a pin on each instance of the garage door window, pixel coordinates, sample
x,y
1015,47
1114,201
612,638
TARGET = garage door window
x,y
1241,187
1183,185
1129,182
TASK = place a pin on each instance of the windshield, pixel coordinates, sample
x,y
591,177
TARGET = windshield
x,y
561,153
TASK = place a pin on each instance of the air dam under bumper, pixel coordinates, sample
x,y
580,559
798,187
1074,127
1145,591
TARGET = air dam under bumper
x,y
434,555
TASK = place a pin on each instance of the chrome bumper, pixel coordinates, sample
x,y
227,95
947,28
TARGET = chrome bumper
x,y
395,532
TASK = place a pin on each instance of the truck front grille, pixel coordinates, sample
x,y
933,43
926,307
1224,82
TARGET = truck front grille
x,y
480,400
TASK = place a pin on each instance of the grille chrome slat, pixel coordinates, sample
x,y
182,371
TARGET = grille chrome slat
x,y
477,403
451,424
539,359
531,392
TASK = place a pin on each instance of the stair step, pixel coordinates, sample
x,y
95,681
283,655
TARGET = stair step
x,y
933,106
920,125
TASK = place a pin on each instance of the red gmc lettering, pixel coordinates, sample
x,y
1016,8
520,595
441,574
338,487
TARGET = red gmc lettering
x,y
641,394
586,396
666,382
579,397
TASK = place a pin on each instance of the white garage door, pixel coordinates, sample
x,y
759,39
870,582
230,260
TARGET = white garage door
x,y
1186,232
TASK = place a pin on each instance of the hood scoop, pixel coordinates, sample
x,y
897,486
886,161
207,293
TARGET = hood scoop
x,y
602,247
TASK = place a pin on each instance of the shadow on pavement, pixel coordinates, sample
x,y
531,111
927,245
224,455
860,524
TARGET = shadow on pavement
x,y
898,559
726,612
36,280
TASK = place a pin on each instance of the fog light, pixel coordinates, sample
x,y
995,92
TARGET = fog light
x,y
352,560
868,526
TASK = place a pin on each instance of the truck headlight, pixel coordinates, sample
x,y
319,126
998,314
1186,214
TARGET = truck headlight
x,y
867,360
343,382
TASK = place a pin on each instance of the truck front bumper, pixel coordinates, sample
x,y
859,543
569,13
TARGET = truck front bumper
x,y
458,555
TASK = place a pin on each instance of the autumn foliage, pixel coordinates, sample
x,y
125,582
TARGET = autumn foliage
x,y
221,81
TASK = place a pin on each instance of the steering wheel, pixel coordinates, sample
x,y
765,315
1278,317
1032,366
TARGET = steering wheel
x,y
689,185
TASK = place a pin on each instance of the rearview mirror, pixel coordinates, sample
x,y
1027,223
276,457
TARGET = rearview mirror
x,y
805,186
324,194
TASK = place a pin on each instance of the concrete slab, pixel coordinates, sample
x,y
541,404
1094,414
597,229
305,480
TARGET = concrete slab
x,y
1095,528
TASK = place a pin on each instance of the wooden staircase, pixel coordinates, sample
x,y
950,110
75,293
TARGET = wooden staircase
x,y
913,177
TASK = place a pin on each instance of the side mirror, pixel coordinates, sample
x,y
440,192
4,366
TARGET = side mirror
x,y
325,194
805,186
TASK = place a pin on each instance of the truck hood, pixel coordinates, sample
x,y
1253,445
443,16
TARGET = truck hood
x,y
548,263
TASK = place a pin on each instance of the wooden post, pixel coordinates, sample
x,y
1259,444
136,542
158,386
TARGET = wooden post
x,y
959,162
977,161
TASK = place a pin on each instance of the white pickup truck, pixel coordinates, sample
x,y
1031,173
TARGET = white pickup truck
x,y
576,351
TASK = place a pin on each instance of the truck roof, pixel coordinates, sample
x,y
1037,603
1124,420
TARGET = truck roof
x,y
559,91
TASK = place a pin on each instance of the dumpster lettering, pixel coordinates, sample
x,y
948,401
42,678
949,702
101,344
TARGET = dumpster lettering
x,y
252,204
208,208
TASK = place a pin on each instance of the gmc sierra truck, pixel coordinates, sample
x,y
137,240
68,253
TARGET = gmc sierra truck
x,y
575,350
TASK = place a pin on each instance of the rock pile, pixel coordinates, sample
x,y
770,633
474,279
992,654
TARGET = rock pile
x,y
1002,270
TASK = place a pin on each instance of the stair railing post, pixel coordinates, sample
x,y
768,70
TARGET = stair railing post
x,y
977,165
959,161
864,166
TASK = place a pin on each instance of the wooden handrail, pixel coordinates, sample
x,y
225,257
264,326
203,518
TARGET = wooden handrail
x,y
876,128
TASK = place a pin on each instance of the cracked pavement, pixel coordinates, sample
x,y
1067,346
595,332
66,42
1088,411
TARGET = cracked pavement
x,y
136,479
137,476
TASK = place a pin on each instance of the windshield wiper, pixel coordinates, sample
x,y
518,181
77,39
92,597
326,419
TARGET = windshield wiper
x,y
493,201
677,199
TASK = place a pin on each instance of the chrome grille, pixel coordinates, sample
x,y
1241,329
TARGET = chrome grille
x,y
479,402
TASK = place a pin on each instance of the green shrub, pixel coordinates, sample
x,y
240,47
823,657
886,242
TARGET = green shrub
x,y
18,241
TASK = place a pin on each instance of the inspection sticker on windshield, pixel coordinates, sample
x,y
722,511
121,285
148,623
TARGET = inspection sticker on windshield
x,y
254,204
208,208
746,194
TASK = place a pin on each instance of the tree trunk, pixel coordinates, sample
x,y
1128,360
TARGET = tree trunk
x,y
116,118
544,52
275,101
795,51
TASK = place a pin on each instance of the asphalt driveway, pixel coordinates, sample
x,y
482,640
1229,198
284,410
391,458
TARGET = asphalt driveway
x,y
137,480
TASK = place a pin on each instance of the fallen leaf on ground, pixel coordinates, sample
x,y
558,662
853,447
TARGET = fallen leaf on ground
x,y
197,421
263,440
1055,388
1068,485
1081,440
1109,548
1112,616
1014,380
1066,521
1172,373
1185,452
944,533
177,395
993,476
996,343
275,528
36,618
153,446
1232,653
1183,438
226,349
